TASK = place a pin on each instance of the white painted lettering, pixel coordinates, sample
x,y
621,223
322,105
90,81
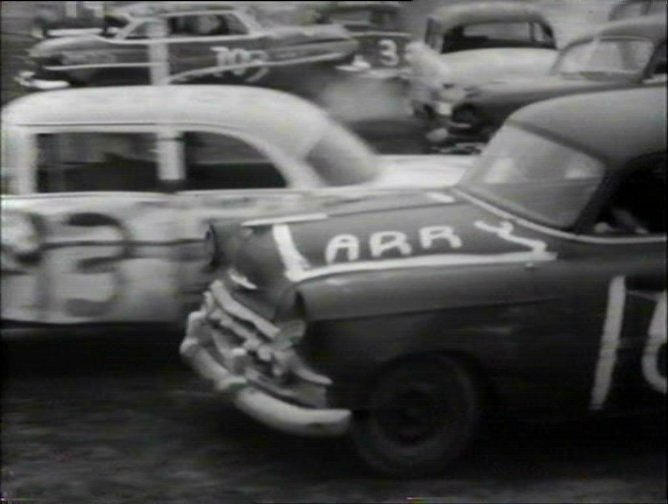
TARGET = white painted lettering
x,y
387,240
657,338
428,235
346,243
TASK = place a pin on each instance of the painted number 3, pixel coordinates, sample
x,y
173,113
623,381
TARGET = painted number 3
x,y
389,52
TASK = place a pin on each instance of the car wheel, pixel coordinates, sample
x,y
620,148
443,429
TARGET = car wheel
x,y
421,415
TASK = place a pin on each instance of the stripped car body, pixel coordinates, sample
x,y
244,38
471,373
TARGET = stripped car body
x,y
522,288
475,42
229,43
112,189
619,55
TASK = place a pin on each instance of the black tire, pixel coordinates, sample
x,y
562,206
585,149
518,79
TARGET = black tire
x,y
421,415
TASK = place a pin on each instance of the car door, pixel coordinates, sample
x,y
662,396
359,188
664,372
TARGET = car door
x,y
92,241
230,177
205,44
623,295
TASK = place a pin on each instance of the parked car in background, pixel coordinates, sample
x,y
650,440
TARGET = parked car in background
x,y
634,8
621,54
472,43
228,43
535,287
112,189
378,27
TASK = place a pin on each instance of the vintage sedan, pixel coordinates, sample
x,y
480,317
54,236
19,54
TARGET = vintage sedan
x,y
474,42
535,287
112,189
634,8
182,42
379,28
618,55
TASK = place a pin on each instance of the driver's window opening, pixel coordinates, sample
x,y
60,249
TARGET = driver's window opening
x,y
205,25
638,206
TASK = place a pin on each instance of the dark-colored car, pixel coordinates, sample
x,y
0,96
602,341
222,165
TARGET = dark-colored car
x,y
535,287
634,8
621,54
165,43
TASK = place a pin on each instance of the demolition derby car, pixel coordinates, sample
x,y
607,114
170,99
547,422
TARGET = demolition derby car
x,y
182,42
621,54
113,188
536,286
472,43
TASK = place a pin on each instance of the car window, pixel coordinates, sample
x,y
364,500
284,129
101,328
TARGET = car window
x,y
606,57
206,25
489,35
638,205
96,161
217,161
534,177
658,65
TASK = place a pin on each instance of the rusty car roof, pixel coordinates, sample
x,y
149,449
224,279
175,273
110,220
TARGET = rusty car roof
x,y
650,27
615,126
280,118
450,16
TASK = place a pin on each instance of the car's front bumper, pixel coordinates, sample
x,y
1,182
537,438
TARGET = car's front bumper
x,y
28,80
231,375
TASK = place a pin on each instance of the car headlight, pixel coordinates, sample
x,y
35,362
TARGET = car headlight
x,y
443,108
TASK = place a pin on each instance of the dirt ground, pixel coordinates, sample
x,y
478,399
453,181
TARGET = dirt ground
x,y
118,418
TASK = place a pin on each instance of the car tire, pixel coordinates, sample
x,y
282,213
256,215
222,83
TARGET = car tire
x,y
421,415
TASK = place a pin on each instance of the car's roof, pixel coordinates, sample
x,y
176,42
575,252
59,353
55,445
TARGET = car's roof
x,y
450,16
279,118
148,9
614,126
378,5
651,27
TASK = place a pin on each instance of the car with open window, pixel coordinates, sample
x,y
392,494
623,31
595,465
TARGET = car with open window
x,y
469,43
620,54
534,288
162,43
107,192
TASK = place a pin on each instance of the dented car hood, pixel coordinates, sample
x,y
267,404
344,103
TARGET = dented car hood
x,y
379,235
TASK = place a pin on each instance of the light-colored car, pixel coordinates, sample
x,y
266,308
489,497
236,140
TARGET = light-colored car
x,y
476,42
112,190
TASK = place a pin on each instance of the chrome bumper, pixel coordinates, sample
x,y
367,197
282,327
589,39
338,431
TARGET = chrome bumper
x,y
27,80
230,380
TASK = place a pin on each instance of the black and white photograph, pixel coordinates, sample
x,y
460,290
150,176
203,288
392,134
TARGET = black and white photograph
x,y
333,251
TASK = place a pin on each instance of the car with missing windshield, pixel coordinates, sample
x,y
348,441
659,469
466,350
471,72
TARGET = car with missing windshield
x,y
534,288
474,42
107,192
183,42
621,54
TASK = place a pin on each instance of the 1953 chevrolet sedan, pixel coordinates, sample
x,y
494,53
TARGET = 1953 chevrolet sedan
x,y
230,43
111,191
536,286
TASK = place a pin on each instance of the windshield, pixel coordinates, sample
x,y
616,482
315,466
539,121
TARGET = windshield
x,y
340,158
534,177
605,57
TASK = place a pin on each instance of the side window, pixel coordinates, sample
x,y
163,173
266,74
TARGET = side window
x,y
638,206
658,65
206,25
96,161
216,161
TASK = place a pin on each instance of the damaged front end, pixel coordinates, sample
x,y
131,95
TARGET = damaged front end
x,y
253,362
